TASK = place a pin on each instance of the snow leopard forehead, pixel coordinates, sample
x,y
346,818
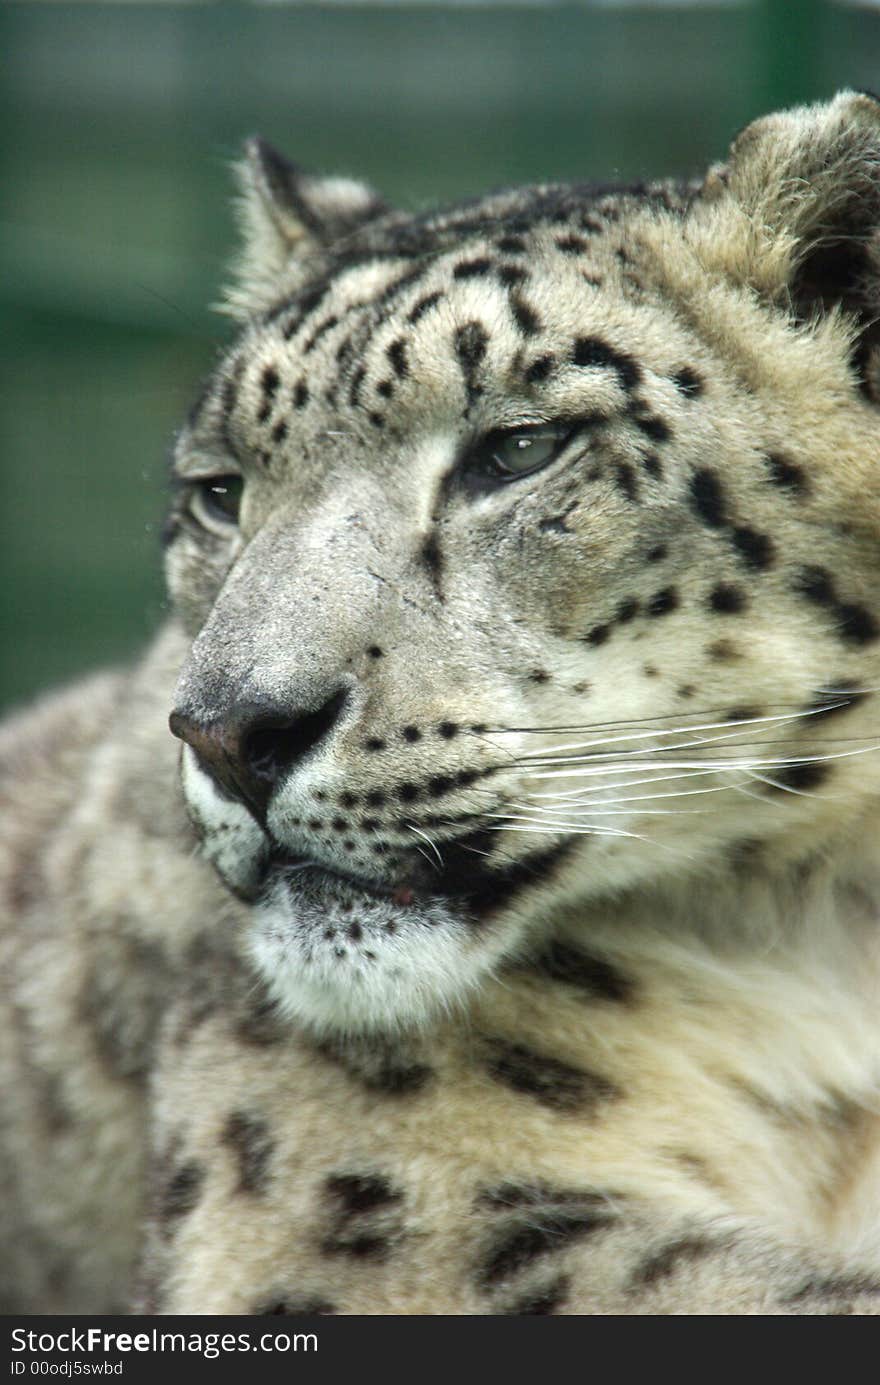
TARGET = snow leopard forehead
x,y
490,314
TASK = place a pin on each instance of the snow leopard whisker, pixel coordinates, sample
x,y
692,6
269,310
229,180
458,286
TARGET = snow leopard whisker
x,y
787,788
574,795
600,810
593,830
797,709
740,724
617,758
716,763
636,752
527,825
577,802
431,844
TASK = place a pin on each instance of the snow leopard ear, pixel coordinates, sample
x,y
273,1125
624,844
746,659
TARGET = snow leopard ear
x,y
804,189
288,217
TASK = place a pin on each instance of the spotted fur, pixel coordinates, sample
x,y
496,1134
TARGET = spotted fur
x,y
500,934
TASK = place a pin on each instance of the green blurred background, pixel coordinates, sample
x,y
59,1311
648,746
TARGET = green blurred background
x,y
120,122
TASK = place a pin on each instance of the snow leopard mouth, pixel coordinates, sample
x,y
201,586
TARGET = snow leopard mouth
x,y
473,887
303,874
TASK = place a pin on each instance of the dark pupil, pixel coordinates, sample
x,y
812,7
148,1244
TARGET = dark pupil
x,y
222,496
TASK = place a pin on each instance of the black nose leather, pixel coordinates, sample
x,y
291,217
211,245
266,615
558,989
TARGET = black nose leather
x,y
253,745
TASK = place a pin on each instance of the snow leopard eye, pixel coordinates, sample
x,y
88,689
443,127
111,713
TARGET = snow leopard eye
x,y
217,499
509,453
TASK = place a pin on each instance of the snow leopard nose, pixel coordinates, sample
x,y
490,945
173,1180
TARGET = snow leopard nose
x,y
254,745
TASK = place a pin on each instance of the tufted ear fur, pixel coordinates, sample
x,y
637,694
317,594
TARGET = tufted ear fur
x,y
288,216
795,214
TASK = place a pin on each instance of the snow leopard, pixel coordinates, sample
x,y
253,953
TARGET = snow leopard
x,y
468,903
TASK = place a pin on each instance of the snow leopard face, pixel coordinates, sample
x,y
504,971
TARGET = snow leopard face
x,y
528,551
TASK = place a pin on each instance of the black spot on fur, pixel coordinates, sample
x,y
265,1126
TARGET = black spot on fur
x,y
856,624
723,652
688,383
377,1067
627,610
471,341
707,498
527,320
592,351
279,432
357,380
816,584
321,330
726,599
755,548
511,245
303,305
787,474
423,306
572,245
269,381
554,1084
669,1259
653,466
743,714
300,395
510,275
472,269
432,560
657,553
180,1194
546,1233
539,369
662,602
440,784
627,480
354,1193
598,635
804,776
248,1138
657,429
396,353
592,977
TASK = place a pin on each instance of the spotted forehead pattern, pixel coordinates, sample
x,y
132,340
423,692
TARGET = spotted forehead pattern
x,y
360,317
